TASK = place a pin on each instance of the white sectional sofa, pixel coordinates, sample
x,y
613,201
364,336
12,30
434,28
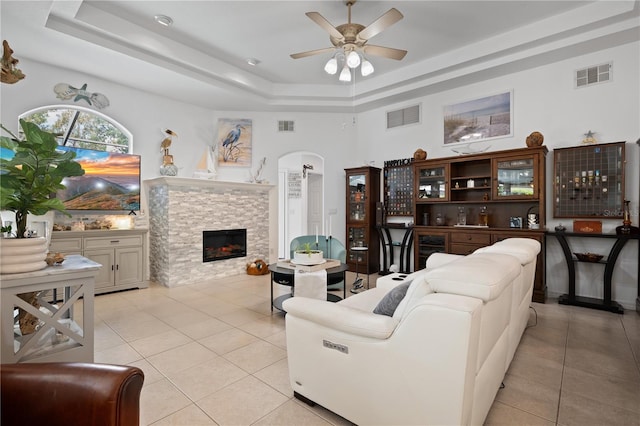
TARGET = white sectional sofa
x,y
438,359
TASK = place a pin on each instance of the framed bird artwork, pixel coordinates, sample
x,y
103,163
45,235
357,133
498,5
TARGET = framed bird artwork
x,y
234,142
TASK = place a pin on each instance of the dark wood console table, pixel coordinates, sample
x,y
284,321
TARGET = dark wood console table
x,y
388,246
605,304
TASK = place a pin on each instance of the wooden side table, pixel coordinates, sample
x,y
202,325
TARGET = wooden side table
x,y
60,333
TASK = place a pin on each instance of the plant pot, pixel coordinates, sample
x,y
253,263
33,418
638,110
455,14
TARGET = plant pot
x,y
313,257
18,255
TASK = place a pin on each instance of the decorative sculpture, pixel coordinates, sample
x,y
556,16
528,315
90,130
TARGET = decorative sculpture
x,y
535,139
66,92
257,176
420,154
10,74
589,138
167,168
207,166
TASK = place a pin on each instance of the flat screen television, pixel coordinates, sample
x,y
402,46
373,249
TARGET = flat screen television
x,y
111,182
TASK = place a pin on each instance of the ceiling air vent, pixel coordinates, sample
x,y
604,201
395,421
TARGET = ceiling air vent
x,y
593,75
402,117
285,125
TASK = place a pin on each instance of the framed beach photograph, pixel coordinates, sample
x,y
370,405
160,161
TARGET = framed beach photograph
x,y
479,119
234,142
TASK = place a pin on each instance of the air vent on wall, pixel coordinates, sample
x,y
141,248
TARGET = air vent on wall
x,y
593,75
402,117
285,125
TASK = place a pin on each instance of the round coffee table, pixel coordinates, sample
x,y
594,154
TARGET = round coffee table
x,y
285,276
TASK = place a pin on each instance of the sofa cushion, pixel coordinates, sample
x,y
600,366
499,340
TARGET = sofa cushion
x,y
389,303
525,249
483,275
418,288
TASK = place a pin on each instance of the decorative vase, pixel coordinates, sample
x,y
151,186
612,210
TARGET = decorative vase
x,y
626,217
420,154
535,139
18,255
168,170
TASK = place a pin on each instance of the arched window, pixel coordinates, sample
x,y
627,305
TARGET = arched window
x,y
82,128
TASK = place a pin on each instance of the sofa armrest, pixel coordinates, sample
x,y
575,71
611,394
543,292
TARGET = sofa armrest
x,y
389,282
341,318
70,394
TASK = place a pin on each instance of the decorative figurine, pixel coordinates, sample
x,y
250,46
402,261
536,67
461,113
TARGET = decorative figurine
x,y
589,137
167,168
626,218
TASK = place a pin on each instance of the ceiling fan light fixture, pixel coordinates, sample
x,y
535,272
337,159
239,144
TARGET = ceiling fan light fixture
x,y
345,74
366,68
353,59
331,66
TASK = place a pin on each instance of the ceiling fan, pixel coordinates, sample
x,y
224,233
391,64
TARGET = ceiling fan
x,y
351,38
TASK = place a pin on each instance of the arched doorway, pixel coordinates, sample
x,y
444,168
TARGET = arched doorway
x,y
300,197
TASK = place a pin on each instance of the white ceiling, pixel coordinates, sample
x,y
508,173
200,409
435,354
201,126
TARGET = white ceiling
x,y
201,58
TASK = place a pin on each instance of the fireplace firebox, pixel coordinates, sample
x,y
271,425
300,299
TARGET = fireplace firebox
x,y
224,244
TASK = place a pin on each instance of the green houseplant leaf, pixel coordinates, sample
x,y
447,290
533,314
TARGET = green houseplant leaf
x,y
29,179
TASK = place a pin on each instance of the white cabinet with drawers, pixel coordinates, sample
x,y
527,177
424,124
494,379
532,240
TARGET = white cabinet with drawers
x,y
122,253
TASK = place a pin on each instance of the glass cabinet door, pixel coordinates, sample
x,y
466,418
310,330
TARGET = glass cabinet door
x,y
357,198
431,183
516,178
428,243
357,238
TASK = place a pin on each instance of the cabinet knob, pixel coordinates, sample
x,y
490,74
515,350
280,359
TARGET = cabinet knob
x,y
114,241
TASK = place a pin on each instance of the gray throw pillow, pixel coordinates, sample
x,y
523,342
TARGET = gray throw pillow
x,y
389,303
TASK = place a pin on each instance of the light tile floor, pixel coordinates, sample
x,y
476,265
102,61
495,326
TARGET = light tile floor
x,y
213,353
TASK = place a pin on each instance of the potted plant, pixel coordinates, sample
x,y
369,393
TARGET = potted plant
x,y
31,178
305,255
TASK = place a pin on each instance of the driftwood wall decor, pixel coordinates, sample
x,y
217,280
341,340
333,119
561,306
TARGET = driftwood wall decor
x,y
10,74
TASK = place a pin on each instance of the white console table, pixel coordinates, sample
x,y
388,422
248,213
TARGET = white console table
x,y
61,334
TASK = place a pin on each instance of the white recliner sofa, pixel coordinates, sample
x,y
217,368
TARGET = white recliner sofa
x,y
439,359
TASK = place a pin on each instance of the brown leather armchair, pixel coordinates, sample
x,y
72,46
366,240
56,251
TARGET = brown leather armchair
x,y
70,394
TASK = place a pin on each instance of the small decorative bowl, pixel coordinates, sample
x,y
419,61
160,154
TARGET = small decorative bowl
x,y
589,257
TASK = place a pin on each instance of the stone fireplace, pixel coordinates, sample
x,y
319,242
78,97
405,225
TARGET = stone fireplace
x,y
182,209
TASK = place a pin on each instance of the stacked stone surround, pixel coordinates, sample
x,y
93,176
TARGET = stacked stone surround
x,y
181,208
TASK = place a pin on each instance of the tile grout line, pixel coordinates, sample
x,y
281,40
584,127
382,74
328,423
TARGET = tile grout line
x,y
564,361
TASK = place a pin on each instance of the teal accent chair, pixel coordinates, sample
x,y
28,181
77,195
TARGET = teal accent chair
x,y
331,249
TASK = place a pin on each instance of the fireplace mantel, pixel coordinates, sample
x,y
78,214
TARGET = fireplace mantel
x,y
173,181
180,209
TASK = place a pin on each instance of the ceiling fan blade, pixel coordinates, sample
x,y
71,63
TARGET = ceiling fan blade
x,y
312,52
387,52
326,25
392,16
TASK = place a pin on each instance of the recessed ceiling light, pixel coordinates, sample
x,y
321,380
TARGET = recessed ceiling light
x,y
253,61
163,20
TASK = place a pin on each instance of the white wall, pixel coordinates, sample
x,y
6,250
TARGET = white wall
x,y
544,100
331,136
